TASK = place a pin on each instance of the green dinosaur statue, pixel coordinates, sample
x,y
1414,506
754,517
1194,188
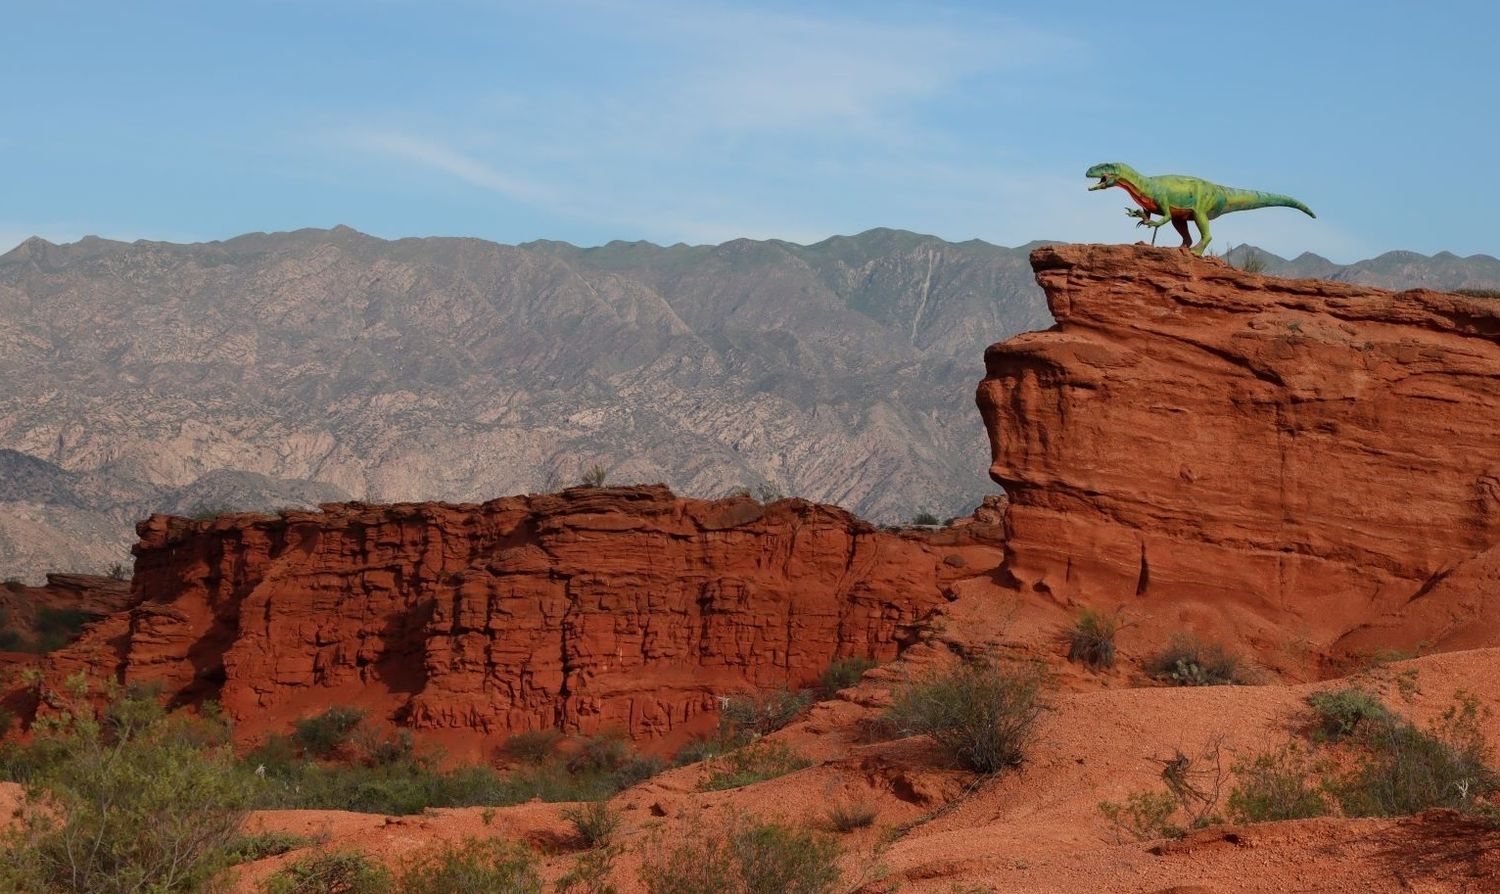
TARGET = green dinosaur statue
x,y
1178,199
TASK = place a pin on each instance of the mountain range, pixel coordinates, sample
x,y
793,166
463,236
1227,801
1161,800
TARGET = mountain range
x,y
290,369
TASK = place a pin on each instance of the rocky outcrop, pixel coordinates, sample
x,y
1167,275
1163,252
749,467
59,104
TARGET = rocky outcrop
x,y
1290,457
39,617
607,608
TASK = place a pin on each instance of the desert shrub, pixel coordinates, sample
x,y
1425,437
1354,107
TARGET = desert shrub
x,y
532,746
1189,661
335,872
746,857
595,822
56,627
612,761
1276,785
395,789
491,866
1479,293
324,734
375,747
124,799
594,476
843,673
850,816
1144,816
762,713
1252,261
926,519
1341,713
1189,797
591,873
984,714
753,763
14,584
11,639
1404,769
1091,639
260,845
119,572
702,748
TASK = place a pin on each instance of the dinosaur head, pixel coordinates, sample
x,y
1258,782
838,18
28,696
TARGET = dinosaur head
x,y
1108,173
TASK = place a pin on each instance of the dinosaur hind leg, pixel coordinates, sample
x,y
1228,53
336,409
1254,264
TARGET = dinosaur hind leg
x,y
1181,227
1204,237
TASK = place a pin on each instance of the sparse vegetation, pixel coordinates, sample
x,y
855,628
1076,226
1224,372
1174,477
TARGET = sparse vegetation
x,y
323,735
532,746
983,713
745,857
595,823
14,584
123,799
925,519
487,865
1091,638
1252,261
762,713
259,846
753,763
1189,798
593,476
1144,816
119,572
1479,293
1404,769
850,816
335,872
1189,661
843,673
1340,713
591,873
1276,785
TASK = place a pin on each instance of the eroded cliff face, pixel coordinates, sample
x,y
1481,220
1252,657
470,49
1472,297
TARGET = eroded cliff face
x,y
1291,457
609,608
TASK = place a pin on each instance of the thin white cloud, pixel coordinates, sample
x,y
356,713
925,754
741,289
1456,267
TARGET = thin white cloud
x,y
432,155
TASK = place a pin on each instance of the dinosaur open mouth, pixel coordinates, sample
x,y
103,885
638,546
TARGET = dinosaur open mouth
x,y
1102,184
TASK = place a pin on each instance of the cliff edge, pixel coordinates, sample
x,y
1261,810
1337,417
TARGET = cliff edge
x,y
1289,458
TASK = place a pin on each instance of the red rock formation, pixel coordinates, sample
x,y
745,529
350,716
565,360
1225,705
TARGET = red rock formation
x,y
592,609
1289,458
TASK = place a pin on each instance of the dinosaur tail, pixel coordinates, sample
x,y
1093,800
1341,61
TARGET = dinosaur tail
x,y
1246,199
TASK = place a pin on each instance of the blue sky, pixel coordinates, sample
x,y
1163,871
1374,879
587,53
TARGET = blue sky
x,y
701,122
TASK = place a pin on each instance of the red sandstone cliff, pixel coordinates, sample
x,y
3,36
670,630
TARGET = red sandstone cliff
x,y
1290,459
623,608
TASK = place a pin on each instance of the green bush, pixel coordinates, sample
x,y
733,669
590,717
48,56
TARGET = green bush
x,y
850,816
335,872
843,673
1341,713
260,845
925,519
532,746
323,735
745,857
613,761
591,873
1405,770
763,713
984,714
475,865
1145,815
124,800
594,822
753,763
1091,639
702,748
1188,661
1276,785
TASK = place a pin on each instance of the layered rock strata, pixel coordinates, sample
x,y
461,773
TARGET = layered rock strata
x,y
1291,457
594,609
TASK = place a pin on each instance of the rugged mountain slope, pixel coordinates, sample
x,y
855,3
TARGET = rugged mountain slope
x,y
456,369
1289,459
